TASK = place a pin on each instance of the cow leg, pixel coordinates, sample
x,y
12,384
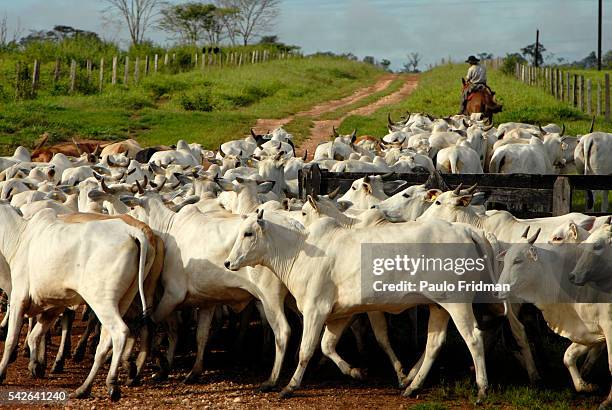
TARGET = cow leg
x,y
436,334
591,359
79,352
463,317
608,402
146,335
205,316
275,315
572,354
103,348
331,336
4,326
313,323
379,326
525,357
25,349
36,342
119,333
128,365
64,348
16,310
165,364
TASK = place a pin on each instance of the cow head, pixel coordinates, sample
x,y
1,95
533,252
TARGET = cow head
x,y
520,265
250,245
595,262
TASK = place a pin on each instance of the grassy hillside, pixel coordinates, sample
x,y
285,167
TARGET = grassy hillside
x,y
439,92
201,106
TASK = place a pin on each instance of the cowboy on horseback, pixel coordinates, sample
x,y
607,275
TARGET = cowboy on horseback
x,y
476,78
477,97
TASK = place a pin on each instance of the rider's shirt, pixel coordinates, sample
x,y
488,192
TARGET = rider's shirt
x,y
477,74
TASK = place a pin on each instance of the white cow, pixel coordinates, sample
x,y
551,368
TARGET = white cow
x,y
459,159
540,275
330,293
54,265
593,154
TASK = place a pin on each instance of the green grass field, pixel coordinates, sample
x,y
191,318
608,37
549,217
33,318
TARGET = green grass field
x,y
208,107
439,91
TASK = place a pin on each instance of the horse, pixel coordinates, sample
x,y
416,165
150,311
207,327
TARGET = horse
x,y
482,100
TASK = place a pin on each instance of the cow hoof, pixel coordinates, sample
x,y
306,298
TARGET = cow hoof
x,y
114,393
58,367
358,374
80,394
402,384
482,395
192,378
587,388
136,381
409,392
37,370
79,354
131,370
160,376
606,405
285,393
266,387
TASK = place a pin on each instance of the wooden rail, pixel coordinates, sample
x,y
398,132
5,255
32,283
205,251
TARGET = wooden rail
x,y
526,196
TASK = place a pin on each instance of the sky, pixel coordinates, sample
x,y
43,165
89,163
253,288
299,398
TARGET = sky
x,y
388,29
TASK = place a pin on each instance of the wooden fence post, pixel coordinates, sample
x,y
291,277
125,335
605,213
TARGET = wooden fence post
x,y
240,60
126,71
203,58
73,67
166,57
575,91
598,112
551,81
567,85
56,70
147,63
89,70
114,74
311,181
562,84
35,75
101,73
581,93
559,84
136,71
589,106
562,197
195,63
155,62
607,96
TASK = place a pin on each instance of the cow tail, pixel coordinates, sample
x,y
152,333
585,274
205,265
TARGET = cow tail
x,y
588,145
143,245
453,158
494,165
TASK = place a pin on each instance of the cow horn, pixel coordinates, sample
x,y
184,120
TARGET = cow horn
x,y
592,125
485,129
105,188
305,155
260,214
525,232
140,190
279,155
353,136
145,181
42,141
458,189
333,193
471,189
110,162
221,151
366,179
253,133
97,150
161,186
77,147
562,130
608,221
334,132
98,176
389,120
532,240
542,130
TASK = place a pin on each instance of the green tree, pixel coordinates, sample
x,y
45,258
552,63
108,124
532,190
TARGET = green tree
x,y
187,21
385,64
530,53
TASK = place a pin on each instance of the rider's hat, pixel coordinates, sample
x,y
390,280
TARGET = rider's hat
x,y
472,60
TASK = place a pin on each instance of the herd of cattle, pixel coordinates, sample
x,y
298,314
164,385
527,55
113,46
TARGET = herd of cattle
x,y
191,229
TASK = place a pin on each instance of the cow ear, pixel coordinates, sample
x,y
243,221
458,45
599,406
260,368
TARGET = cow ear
x,y
367,188
432,194
533,253
343,205
313,203
500,256
464,200
573,229
265,187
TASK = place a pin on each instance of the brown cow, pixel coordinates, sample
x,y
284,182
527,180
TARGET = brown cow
x,y
130,147
71,149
